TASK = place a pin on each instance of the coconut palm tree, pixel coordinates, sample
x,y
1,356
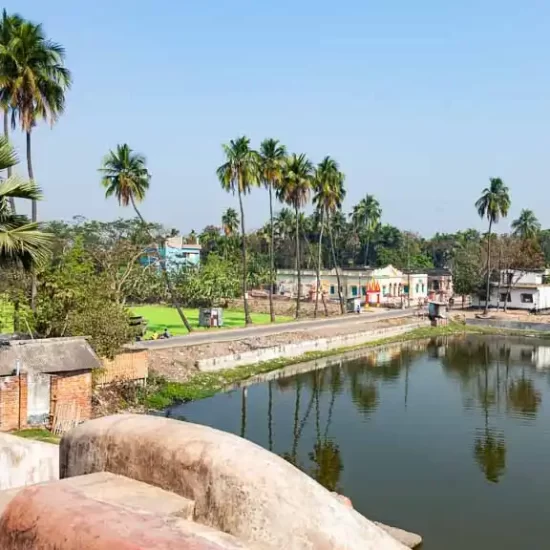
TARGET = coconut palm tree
x,y
494,203
230,222
272,157
33,81
527,226
294,190
329,194
125,177
8,23
366,218
238,174
21,242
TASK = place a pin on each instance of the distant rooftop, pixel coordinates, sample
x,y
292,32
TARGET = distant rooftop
x,y
179,242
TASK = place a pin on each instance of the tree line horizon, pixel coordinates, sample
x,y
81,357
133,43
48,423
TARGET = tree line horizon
x,y
33,85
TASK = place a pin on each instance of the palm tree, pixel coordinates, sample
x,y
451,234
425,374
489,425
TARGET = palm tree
x,y
294,190
366,216
239,174
230,222
21,242
33,81
7,27
527,226
272,157
329,194
493,203
125,176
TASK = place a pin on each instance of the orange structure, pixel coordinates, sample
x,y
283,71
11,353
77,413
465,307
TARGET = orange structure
x,y
373,293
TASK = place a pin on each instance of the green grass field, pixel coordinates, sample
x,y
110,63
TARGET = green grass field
x,y
161,317
6,316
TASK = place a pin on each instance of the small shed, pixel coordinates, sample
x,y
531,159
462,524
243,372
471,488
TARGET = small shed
x,y
38,377
437,312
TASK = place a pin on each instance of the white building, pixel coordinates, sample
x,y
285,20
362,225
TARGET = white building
x,y
390,284
529,290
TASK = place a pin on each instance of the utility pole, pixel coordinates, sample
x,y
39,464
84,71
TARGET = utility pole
x,y
409,270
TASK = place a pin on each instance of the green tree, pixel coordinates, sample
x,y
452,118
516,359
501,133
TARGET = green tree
x,y
467,268
238,174
210,284
493,204
7,29
125,176
272,159
34,80
76,300
329,195
230,222
294,190
366,218
527,226
21,242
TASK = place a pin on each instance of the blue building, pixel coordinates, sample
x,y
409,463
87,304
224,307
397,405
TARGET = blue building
x,y
176,252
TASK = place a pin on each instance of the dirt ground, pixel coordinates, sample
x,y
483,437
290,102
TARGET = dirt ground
x,y
178,364
513,315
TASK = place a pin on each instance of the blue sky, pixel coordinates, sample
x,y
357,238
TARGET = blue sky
x,y
420,102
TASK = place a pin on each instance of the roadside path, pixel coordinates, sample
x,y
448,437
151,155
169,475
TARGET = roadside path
x,y
226,335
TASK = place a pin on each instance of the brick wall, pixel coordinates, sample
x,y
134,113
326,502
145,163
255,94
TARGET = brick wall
x,y
126,366
73,387
9,402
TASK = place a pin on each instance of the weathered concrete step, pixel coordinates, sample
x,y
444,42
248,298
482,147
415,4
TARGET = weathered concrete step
x,y
56,515
123,492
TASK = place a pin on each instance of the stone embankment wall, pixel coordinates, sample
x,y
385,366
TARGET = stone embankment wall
x,y
300,348
509,325
24,462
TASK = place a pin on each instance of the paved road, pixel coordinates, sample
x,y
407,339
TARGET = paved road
x,y
213,335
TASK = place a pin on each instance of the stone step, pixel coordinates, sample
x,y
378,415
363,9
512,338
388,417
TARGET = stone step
x,y
123,492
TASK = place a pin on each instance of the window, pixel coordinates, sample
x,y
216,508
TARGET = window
x,y
435,285
505,297
364,290
332,289
384,290
417,288
526,298
422,288
354,290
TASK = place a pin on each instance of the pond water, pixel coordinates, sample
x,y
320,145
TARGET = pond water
x,y
447,438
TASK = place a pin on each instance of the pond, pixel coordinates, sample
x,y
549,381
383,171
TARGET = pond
x,y
449,438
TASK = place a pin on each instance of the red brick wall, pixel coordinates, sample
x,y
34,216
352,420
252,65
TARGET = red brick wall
x,y
75,386
9,402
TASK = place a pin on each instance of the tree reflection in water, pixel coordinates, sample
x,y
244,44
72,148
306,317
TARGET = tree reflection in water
x,y
523,397
487,369
490,454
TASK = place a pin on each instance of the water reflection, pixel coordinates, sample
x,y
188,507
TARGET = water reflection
x,y
486,369
393,428
490,454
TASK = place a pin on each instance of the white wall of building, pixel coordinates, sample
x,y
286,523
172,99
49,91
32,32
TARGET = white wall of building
x,y
392,281
25,462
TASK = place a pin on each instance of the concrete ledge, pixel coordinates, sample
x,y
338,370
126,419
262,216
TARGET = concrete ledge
x,y
25,462
300,348
510,325
58,516
238,487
